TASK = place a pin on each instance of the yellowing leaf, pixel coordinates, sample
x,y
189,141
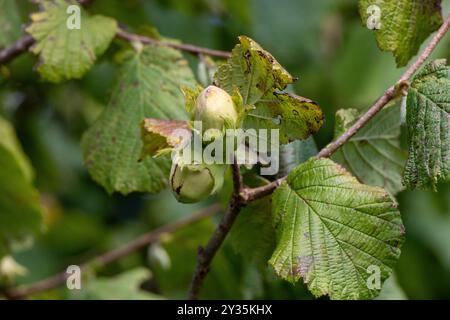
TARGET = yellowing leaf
x,y
254,71
259,79
68,53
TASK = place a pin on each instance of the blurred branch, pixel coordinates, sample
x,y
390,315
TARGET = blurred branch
x,y
122,34
390,94
16,49
23,44
111,256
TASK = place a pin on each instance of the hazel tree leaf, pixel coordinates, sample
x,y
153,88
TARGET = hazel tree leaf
x,y
428,123
373,155
331,229
160,136
9,22
296,117
405,24
254,71
148,86
259,79
68,53
20,208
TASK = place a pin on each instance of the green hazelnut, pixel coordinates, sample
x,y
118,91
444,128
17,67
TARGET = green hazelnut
x,y
216,109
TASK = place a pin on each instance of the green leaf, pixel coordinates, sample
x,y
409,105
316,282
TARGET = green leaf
x,y
65,53
20,209
148,86
259,79
254,71
373,155
9,23
428,123
125,286
405,24
331,228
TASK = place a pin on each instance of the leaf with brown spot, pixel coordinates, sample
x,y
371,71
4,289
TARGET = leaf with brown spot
x,y
331,228
259,77
161,136
64,53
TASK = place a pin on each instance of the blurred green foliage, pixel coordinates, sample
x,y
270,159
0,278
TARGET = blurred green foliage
x,y
338,65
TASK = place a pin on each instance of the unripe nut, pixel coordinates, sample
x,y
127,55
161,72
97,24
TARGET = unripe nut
x,y
215,108
191,183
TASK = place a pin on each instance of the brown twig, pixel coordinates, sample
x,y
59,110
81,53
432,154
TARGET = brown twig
x,y
206,255
111,256
23,44
122,34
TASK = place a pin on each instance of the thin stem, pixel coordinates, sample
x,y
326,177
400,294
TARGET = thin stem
x,y
111,256
16,49
23,44
206,255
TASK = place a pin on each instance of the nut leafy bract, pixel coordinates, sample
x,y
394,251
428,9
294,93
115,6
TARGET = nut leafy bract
x,y
254,80
331,229
259,79
428,122
149,86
